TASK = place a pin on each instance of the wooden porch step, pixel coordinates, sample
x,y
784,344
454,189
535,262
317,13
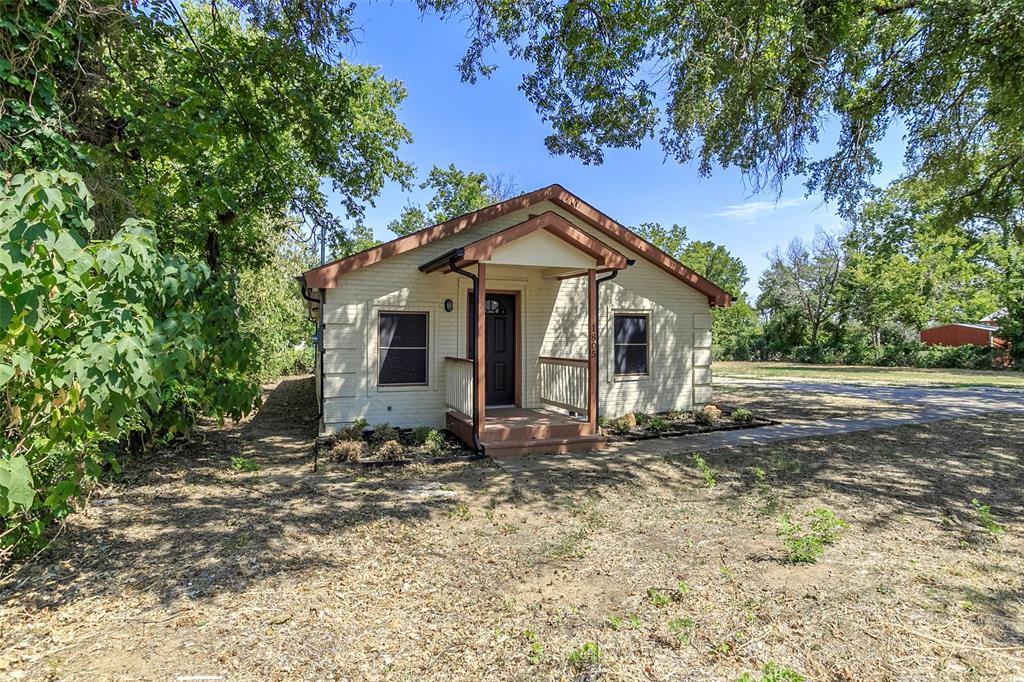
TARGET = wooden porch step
x,y
527,431
543,446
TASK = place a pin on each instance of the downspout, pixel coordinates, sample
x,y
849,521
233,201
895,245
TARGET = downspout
x,y
477,445
319,341
597,341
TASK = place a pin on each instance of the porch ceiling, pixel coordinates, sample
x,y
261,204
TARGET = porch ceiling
x,y
547,240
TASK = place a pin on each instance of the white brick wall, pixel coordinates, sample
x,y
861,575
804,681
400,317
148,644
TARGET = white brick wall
x,y
553,322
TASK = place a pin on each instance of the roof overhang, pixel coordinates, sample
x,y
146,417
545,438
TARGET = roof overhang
x,y
326,276
602,256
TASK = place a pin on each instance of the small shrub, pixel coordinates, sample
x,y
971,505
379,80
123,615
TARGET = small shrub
x,y
390,450
658,425
986,518
244,464
347,450
434,443
708,416
382,433
742,415
658,598
641,418
586,656
705,471
353,431
418,436
827,526
806,546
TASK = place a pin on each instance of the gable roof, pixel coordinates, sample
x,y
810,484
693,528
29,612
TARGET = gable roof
x,y
326,276
483,249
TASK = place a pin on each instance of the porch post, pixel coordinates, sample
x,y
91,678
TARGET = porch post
x,y
481,350
592,350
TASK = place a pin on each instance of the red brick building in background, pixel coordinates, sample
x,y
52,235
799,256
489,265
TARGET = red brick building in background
x,y
962,334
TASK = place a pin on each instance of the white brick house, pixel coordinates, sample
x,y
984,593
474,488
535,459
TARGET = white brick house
x,y
578,317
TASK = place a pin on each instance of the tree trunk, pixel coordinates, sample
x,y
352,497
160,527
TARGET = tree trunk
x,y
213,250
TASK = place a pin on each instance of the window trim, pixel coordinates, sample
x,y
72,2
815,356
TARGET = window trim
x,y
626,376
426,349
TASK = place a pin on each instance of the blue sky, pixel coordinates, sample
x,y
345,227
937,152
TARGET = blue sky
x,y
490,127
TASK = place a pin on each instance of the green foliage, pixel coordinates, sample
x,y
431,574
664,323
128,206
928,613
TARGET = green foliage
x,y
706,472
98,340
275,310
456,193
753,86
773,672
657,598
244,464
587,656
382,433
986,518
658,424
742,415
535,653
807,545
681,628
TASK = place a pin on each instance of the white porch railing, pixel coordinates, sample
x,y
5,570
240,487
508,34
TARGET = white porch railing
x,y
563,383
458,384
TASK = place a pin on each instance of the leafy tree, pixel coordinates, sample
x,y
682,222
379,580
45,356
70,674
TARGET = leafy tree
x,y
671,240
218,129
752,85
714,262
804,280
456,193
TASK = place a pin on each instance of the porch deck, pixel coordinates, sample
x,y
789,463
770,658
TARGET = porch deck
x,y
522,431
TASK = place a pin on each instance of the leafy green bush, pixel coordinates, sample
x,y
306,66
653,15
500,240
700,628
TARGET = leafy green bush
x,y
706,472
97,341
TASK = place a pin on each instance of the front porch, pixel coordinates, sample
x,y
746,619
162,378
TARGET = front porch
x,y
486,404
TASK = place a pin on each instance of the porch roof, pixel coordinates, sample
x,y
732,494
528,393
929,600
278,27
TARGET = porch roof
x,y
596,254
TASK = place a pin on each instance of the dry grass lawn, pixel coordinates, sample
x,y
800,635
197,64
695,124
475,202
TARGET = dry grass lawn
x,y
484,571
897,376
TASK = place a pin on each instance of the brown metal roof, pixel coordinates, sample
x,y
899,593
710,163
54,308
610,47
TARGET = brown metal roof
x,y
326,276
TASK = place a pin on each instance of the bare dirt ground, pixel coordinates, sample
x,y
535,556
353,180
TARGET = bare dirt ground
x,y
488,572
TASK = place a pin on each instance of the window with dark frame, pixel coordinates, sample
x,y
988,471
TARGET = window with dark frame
x,y
402,344
630,343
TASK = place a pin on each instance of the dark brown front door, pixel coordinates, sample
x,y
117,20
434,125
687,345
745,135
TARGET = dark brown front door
x,y
500,347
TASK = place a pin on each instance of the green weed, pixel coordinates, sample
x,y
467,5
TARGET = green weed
x,y
681,628
773,672
587,656
807,545
535,654
985,517
706,472
244,464
658,598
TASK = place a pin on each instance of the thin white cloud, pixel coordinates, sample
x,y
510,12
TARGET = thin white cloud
x,y
752,210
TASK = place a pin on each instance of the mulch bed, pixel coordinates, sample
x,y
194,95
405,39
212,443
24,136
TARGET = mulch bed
x,y
683,424
451,450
